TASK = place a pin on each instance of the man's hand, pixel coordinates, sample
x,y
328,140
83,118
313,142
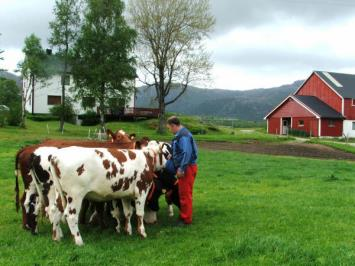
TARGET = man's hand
x,y
180,173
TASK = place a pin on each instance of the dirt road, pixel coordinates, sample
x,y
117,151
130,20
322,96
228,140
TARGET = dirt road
x,y
286,149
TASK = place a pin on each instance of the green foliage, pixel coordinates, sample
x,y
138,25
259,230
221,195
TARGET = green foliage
x,y
33,67
69,113
298,133
90,118
10,96
65,26
4,113
104,65
42,117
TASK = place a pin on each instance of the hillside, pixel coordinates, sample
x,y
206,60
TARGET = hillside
x,y
250,105
8,75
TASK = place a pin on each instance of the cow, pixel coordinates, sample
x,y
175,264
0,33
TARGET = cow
x,y
102,174
165,183
30,202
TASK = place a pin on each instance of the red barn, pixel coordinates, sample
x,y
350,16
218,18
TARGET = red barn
x,y
324,105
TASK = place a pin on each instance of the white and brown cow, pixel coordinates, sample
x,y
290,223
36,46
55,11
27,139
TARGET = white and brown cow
x,y
102,174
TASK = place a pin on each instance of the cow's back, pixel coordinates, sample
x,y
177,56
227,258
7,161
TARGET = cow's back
x,y
102,173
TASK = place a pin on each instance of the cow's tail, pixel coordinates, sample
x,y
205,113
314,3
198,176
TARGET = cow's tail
x,y
58,186
17,173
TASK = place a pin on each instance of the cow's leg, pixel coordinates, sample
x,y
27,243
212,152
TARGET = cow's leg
x,y
127,209
71,213
150,216
56,214
140,202
115,212
29,204
170,210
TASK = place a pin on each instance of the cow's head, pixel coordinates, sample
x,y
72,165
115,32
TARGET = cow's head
x,y
142,143
120,137
160,151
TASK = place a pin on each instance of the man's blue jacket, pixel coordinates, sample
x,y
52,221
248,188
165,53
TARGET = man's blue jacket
x,y
184,151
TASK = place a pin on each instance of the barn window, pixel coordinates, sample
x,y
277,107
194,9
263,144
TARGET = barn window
x,y
54,100
353,125
331,123
353,102
300,123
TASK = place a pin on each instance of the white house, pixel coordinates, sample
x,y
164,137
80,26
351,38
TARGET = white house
x,y
49,93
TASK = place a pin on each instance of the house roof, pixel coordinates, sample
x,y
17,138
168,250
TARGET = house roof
x,y
319,107
343,84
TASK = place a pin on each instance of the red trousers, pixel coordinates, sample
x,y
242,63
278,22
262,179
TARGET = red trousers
x,y
186,185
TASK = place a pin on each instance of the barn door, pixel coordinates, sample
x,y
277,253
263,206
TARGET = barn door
x,y
286,125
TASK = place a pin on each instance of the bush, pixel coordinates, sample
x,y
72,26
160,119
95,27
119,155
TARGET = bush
x,y
69,114
14,117
298,133
90,118
4,113
43,117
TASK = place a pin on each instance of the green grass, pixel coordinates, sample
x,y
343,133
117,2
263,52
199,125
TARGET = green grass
x,y
248,210
42,130
334,144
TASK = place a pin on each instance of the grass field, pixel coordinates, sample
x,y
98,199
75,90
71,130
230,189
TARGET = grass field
x,y
248,210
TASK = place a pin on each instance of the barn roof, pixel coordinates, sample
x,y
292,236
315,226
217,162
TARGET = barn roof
x,y
318,106
343,84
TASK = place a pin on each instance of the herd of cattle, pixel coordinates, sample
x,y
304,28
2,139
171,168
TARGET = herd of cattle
x,y
70,180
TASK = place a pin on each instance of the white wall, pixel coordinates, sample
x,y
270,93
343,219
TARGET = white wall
x,y
348,128
53,87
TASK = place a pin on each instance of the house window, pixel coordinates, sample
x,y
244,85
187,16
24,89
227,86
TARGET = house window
x,y
353,125
66,80
301,123
353,102
54,100
331,123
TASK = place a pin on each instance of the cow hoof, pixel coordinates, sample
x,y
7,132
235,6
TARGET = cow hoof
x,y
118,229
143,235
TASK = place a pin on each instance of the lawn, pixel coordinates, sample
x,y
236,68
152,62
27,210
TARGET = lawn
x,y
248,210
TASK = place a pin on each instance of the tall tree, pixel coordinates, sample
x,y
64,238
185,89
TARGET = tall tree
x,y
64,29
104,65
32,70
171,51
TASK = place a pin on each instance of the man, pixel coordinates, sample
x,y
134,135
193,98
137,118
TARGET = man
x,y
183,163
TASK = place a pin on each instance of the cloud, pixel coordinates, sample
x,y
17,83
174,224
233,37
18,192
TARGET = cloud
x,y
231,14
19,19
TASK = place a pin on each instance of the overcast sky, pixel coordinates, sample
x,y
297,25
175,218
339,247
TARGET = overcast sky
x,y
255,44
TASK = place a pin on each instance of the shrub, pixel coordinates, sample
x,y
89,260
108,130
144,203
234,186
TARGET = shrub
x,y
14,116
90,118
4,112
43,117
298,133
69,113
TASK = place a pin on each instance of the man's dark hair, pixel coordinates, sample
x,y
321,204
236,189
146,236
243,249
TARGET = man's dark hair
x,y
174,121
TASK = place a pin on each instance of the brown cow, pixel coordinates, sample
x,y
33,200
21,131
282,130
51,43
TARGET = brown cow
x,y
22,166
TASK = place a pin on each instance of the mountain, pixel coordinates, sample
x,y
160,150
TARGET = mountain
x,y
251,105
8,75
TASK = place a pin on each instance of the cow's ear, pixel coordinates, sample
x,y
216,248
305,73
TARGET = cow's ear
x,y
138,145
132,136
110,133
